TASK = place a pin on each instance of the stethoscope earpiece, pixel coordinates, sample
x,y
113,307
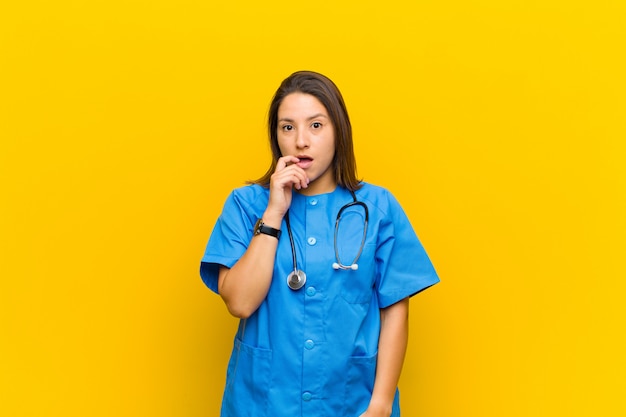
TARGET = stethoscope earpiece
x,y
353,267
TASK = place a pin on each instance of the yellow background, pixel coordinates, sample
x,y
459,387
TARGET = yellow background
x,y
499,125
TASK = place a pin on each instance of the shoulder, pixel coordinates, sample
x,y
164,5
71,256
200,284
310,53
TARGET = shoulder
x,y
250,195
249,199
378,197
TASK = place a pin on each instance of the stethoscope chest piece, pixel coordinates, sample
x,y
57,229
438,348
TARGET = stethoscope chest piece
x,y
296,279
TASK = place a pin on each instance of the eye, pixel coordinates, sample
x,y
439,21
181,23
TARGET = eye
x,y
287,128
316,125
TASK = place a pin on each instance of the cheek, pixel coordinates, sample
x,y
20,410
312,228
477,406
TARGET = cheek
x,y
281,146
332,148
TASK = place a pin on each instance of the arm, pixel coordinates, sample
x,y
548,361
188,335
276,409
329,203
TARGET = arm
x,y
392,345
244,286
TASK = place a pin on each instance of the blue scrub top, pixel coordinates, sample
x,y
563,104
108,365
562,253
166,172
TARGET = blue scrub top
x,y
312,352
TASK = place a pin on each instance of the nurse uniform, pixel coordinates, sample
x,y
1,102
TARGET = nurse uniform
x,y
312,352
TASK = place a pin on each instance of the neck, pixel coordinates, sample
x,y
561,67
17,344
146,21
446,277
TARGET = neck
x,y
317,187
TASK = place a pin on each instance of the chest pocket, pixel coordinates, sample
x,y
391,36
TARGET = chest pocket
x,y
357,286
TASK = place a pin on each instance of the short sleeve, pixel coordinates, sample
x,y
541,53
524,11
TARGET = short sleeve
x,y
403,267
229,239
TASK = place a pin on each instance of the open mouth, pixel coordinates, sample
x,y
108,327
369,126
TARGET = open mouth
x,y
305,162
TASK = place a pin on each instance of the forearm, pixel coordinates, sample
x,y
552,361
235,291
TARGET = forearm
x,y
244,287
391,351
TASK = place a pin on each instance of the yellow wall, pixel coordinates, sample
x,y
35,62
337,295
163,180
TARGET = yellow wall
x,y
500,126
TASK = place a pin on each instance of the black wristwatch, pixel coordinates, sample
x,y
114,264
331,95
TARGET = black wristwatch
x,y
259,227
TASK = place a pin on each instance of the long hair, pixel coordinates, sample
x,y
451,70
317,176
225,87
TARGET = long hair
x,y
322,88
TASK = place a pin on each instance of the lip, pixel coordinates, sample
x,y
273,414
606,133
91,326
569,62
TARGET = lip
x,y
305,161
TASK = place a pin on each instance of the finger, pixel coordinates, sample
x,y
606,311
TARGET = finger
x,y
285,161
299,178
291,174
290,179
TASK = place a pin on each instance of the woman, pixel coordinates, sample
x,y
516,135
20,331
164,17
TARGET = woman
x,y
319,267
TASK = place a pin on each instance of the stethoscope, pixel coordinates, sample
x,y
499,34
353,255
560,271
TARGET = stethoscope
x,y
297,278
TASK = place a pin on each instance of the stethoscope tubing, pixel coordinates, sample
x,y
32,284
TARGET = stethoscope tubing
x,y
297,278
353,265
293,246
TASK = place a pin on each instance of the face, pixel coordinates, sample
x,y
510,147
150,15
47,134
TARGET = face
x,y
306,131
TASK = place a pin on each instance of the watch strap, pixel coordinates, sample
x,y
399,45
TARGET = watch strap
x,y
259,228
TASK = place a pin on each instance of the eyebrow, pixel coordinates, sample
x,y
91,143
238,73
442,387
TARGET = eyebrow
x,y
315,116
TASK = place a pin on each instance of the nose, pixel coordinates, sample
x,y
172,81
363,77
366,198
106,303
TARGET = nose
x,y
302,140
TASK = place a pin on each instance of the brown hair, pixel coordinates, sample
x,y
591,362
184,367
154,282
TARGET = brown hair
x,y
322,88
